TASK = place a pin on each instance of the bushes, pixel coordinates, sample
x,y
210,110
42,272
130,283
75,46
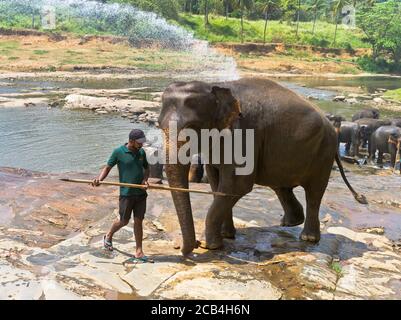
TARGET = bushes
x,y
314,41
379,65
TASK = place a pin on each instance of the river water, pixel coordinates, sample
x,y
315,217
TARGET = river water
x,y
59,141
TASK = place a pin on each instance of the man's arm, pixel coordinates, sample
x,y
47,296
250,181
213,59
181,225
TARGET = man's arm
x,y
146,170
103,174
145,176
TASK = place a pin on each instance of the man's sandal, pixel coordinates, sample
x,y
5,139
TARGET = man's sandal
x,y
107,244
143,259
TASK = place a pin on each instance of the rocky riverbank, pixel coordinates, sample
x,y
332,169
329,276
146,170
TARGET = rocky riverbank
x,y
376,100
101,101
51,247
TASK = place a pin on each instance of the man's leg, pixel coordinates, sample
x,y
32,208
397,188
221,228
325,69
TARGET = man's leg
x,y
139,209
125,209
117,225
138,232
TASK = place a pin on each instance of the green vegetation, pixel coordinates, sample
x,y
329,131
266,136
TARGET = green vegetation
x,y
221,29
382,27
319,23
40,52
337,268
393,95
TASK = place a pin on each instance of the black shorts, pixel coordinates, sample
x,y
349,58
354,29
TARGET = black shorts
x,y
129,204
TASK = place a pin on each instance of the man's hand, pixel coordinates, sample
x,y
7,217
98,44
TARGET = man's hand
x,y
146,183
95,182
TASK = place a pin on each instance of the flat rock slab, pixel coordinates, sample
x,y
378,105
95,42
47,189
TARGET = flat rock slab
x,y
207,281
78,101
25,102
147,277
265,261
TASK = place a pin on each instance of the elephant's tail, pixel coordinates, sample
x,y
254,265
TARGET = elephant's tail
x,y
358,197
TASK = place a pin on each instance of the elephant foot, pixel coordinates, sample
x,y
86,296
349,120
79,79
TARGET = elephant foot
x,y
185,250
308,236
210,245
292,220
228,233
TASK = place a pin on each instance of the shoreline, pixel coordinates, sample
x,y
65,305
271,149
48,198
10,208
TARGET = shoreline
x,y
128,102
128,75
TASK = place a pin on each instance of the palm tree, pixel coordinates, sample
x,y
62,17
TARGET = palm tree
x,y
298,11
206,13
337,7
244,4
227,4
316,5
266,7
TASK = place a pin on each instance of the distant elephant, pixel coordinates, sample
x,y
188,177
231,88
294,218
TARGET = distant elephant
x,y
294,145
196,171
335,120
350,135
386,139
368,126
396,122
366,113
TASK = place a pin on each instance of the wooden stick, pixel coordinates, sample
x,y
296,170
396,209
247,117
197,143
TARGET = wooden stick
x,y
151,186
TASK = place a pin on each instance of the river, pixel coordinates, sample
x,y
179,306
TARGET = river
x,y
58,141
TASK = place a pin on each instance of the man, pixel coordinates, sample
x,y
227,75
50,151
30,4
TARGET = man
x,y
132,168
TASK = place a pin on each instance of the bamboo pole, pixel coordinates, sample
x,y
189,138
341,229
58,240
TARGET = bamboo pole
x,y
151,186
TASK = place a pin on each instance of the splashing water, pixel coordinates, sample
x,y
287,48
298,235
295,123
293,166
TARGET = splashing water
x,y
142,29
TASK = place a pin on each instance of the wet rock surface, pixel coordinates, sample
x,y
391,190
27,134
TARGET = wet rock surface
x,y
51,244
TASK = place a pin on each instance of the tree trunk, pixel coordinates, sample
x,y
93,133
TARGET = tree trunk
x,y
298,11
33,21
242,22
226,10
206,13
335,31
264,31
314,21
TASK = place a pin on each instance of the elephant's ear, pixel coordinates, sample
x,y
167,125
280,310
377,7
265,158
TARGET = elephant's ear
x,y
228,108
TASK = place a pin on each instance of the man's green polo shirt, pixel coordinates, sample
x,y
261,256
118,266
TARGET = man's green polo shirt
x,y
130,168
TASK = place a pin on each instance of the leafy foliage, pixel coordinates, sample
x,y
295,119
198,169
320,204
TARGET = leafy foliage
x,y
382,27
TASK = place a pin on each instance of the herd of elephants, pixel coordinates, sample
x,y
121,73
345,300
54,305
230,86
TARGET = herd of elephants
x,y
295,144
367,130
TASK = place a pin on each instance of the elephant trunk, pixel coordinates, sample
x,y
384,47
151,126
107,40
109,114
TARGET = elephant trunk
x,y
177,175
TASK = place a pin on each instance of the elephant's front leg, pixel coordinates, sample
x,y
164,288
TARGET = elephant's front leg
x,y
219,213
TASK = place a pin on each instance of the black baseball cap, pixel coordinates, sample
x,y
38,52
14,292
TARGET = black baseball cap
x,y
137,135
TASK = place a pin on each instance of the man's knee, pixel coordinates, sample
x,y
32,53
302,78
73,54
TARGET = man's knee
x,y
123,222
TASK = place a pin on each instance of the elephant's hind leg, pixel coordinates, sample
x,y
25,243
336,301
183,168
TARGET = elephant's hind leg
x,y
293,211
228,230
314,194
216,217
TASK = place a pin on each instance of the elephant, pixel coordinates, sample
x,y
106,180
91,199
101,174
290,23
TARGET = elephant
x,y
335,120
368,126
196,171
386,139
284,126
350,134
371,113
396,122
